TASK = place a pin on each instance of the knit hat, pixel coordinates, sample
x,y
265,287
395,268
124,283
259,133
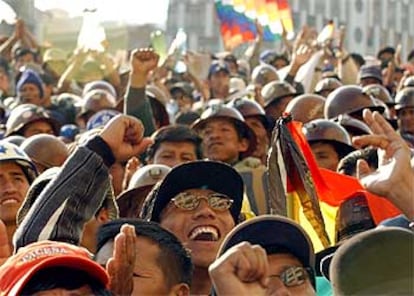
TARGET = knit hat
x,y
30,76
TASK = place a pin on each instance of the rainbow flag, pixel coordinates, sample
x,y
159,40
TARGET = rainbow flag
x,y
237,19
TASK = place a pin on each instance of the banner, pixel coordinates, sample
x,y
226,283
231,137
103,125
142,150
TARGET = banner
x,y
237,20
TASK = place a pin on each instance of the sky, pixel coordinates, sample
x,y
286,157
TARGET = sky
x,y
138,12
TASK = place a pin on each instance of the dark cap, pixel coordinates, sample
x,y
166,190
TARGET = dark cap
x,y
353,217
218,66
370,71
375,262
272,232
185,87
202,174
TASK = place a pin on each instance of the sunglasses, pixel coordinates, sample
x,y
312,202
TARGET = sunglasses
x,y
294,276
188,201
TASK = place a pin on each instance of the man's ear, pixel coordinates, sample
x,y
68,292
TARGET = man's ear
x,y
102,216
180,289
243,145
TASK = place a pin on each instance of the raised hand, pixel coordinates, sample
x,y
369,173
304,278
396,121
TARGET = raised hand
x,y
120,267
124,135
144,60
394,178
241,270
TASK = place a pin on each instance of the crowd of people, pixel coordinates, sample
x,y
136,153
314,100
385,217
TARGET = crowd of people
x,y
147,181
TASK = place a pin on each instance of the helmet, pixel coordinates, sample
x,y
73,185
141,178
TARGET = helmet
x,y
263,74
46,150
353,126
275,90
379,92
11,152
130,201
409,81
99,84
249,108
25,114
223,111
348,99
326,130
100,118
306,107
69,131
96,100
404,98
327,84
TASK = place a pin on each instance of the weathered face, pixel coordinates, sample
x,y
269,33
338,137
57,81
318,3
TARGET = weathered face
x,y
278,263
406,120
325,155
13,189
29,93
174,153
221,141
38,127
201,230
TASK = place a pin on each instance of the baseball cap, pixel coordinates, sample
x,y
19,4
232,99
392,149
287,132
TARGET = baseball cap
x,y
376,262
272,232
21,267
203,174
218,66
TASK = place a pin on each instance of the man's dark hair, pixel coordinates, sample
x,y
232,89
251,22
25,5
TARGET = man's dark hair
x,y
348,164
174,133
64,278
174,259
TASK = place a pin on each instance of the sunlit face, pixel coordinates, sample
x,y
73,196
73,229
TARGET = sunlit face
x,y
262,137
325,155
29,93
174,153
277,264
13,188
406,120
201,230
38,127
221,141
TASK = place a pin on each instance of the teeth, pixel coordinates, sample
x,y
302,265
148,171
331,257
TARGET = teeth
x,y
9,201
204,229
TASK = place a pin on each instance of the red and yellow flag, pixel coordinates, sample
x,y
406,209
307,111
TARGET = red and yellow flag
x,y
295,180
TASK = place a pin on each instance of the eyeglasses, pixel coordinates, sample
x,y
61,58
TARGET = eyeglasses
x,y
294,276
188,201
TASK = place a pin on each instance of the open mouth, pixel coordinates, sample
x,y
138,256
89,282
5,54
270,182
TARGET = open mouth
x,y
205,233
8,201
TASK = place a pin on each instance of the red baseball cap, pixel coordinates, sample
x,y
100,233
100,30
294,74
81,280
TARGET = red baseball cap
x,y
21,267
